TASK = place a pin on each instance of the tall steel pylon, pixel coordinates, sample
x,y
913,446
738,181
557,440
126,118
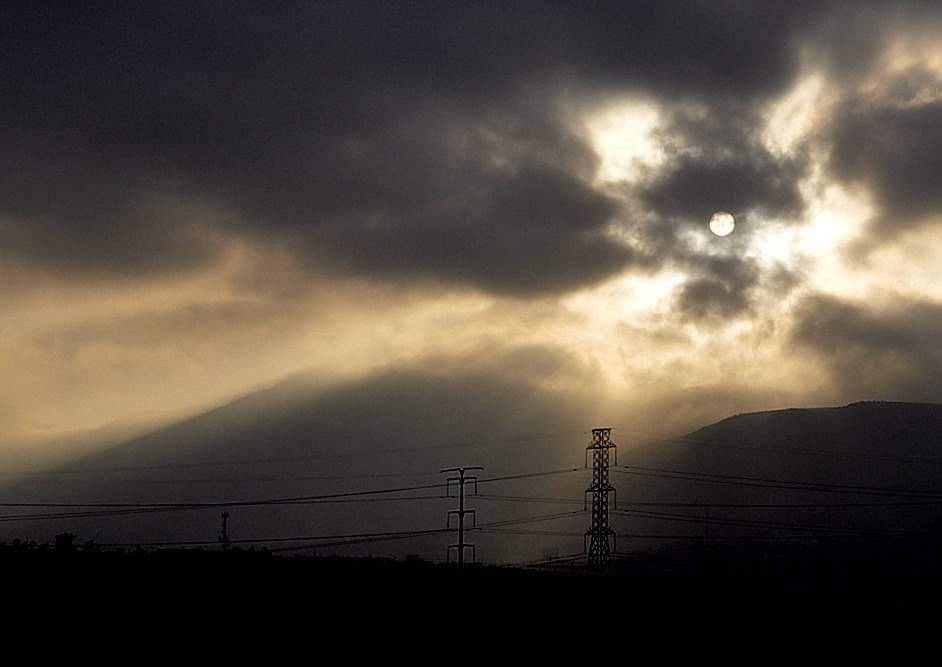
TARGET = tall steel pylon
x,y
460,479
599,541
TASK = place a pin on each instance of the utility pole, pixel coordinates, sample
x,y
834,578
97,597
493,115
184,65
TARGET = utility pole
x,y
599,541
460,479
224,533
705,555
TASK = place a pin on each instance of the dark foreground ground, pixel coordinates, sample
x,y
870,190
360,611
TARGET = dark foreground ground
x,y
831,585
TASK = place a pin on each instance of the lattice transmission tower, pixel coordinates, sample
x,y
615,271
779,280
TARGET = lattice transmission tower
x,y
599,542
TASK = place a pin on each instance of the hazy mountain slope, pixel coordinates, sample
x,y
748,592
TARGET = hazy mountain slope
x,y
393,412
398,429
392,430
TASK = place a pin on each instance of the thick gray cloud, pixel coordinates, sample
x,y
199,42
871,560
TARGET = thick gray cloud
x,y
716,161
72,212
891,352
406,143
718,290
851,38
893,148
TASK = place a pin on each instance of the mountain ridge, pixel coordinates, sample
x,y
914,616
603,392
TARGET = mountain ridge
x,y
384,427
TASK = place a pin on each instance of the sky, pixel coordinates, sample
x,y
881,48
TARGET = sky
x,y
200,199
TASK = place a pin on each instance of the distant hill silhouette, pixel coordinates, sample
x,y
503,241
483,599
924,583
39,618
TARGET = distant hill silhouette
x,y
867,467
869,427
864,442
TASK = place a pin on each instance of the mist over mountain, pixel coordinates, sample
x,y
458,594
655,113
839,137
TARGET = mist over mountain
x,y
397,430
297,439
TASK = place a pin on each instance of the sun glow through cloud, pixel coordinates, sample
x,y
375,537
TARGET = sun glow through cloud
x,y
622,135
792,117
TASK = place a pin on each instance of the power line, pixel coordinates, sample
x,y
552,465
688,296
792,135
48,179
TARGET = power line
x,y
157,510
530,499
644,503
657,437
555,559
89,514
273,540
915,503
234,503
218,480
531,475
741,480
280,501
546,533
366,540
349,536
692,518
529,519
812,536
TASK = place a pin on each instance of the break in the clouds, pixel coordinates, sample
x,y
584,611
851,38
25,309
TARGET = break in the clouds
x,y
209,195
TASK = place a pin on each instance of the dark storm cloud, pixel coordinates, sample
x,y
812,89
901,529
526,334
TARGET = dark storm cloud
x,y
405,142
852,37
72,212
720,288
706,298
715,161
892,146
890,352
534,231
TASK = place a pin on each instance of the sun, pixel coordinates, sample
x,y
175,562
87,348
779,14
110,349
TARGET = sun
x,y
722,223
